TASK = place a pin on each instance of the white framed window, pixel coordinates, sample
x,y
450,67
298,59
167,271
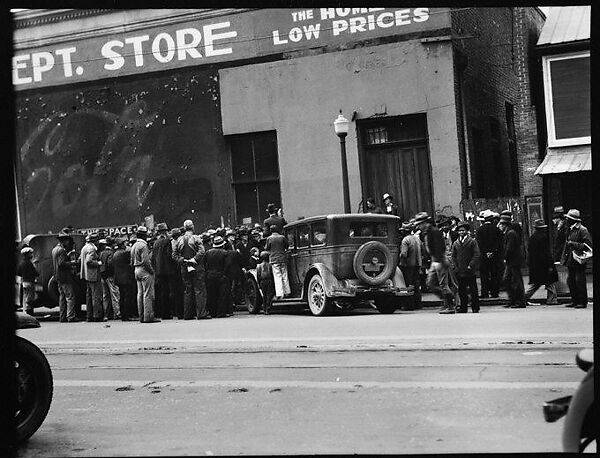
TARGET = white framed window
x,y
567,98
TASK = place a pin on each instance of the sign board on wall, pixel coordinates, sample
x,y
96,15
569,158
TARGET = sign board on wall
x,y
113,231
240,36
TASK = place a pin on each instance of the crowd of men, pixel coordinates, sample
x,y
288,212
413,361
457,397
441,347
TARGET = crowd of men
x,y
169,273
445,255
178,273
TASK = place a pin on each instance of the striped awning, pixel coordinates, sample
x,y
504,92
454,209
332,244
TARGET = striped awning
x,y
564,161
566,24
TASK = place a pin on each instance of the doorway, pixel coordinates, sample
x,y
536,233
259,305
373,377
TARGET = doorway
x,y
394,158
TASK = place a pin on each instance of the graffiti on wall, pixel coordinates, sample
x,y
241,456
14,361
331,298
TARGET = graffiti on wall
x,y
109,156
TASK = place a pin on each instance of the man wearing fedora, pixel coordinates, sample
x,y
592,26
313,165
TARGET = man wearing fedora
x,y
90,272
218,291
489,239
541,264
560,232
164,268
177,286
409,261
144,276
465,257
124,279
189,255
273,220
389,207
438,276
111,296
512,253
577,238
63,260
29,274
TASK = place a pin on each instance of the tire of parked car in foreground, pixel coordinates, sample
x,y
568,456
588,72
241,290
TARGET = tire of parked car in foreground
x,y
34,387
252,294
372,254
318,302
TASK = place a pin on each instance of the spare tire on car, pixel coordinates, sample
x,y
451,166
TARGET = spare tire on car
x,y
373,263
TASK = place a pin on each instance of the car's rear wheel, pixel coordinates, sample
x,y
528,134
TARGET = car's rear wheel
x,y
318,302
386,305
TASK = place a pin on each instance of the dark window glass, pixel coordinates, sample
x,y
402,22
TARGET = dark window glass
x,y
403,128
255,174
319,233
571,97
366,229
303,236
291,239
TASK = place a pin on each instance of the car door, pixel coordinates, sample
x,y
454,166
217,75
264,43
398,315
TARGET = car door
x,y
302,252
295,283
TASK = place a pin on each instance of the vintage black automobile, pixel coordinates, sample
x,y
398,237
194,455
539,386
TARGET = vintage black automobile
x,y
342,260
47,288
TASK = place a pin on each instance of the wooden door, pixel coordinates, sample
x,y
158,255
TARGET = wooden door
x,y
395,160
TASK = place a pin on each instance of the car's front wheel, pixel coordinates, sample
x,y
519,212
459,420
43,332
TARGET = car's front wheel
x,y
318,302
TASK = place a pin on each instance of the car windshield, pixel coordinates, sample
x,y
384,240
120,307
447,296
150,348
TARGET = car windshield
x,y
367,229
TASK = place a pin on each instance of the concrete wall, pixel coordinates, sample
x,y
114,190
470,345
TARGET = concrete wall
x,y
300,98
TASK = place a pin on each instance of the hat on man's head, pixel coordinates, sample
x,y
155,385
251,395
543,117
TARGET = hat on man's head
x,y
142,230
539,224
558,212
175,231
264,255
229,232
110,240
271,208
574,214
421,217
188,224
102,242
464,224
442,221
406,226
481,216
218,242
26,250
65,233
274,228
506,213
387,196
488,215
119,241
505,219
94,237
162,227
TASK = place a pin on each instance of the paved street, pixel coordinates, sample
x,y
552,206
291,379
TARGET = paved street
x,y
292,383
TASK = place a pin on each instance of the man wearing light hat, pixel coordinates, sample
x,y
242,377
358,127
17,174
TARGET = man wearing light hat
x,y
28,274
489,240
144,276
578,241
218,290
389,207
90,272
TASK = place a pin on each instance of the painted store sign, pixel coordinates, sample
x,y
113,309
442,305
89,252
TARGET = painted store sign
x,y
241,36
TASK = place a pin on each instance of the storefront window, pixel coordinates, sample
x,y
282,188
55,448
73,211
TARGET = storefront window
x,y
255,174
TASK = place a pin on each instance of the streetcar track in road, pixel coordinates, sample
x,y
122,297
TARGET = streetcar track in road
x,y
324,366
269,384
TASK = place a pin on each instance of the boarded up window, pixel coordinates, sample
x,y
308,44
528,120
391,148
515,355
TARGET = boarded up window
x,y
571,97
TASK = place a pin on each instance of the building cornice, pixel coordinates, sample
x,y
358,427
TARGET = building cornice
x,y
37,28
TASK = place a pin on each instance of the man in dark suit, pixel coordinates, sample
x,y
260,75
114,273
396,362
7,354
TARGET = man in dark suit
x,y
465,257
124,279
489,239
513,258
218,292
273,220
541,264
164,268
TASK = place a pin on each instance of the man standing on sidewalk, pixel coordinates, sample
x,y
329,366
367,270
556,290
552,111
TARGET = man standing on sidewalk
x,y
277,246
489,239
90,272
513,257
410,263
541,264
438,276
218,292
110,291
28,273
465,256
560,232
189,254
273,219
144,276
63,273
124,279
577,238
162,261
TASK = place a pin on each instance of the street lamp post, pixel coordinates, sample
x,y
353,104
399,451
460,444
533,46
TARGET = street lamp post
x,y
341,126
